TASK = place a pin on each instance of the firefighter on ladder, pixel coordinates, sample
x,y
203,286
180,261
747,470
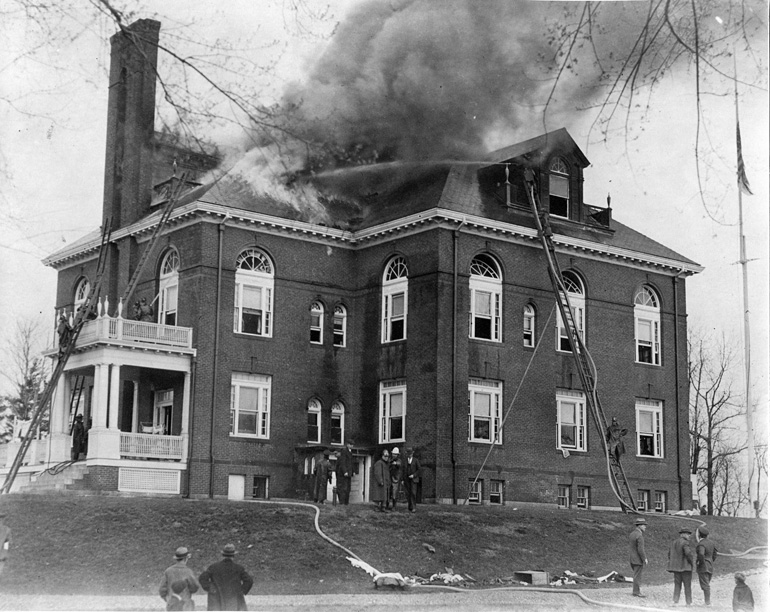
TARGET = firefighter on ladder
x,y
615,444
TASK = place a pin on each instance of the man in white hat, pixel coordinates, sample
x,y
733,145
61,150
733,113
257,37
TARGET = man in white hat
x,y
179,572
638,557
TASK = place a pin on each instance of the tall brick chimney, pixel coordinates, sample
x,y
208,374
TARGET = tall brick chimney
x,y
130,123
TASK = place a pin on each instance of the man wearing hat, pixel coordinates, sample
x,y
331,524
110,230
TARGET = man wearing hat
x,y
5,542
179,572
396,473
706,554
680,562
638,557
78,437
226,582
323,476
411,470
344,472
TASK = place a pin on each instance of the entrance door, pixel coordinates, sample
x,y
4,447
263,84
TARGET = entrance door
x,y
164,410
236,487
359,485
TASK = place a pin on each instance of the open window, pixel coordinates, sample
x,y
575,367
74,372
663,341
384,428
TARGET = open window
x,y
558,188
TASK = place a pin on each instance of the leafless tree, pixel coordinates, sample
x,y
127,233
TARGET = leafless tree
x,y
715,438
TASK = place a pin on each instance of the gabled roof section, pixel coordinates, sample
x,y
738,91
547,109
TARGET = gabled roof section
x,y
543,145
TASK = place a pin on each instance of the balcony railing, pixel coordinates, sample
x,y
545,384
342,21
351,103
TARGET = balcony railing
x,y
150,446
128,331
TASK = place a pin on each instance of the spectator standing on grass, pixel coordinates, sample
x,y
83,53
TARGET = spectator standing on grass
x,y
680,562
743,599
411,469
380,482
638,557
706,554
396,475
179,573
344,472
226,582
323,476
5,542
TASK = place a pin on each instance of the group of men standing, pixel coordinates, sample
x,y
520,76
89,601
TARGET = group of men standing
x,y
390,476
684,555
226,583
343,470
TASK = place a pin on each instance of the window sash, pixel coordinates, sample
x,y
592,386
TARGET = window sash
x,y
474,492
578,315
485,314
647,339
339,324
250,407
529,328
253,308
485,411
570,423
496,492
392,413
649,429
394,312
563,498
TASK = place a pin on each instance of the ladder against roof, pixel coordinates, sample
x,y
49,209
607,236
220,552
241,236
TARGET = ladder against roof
x,y
585,365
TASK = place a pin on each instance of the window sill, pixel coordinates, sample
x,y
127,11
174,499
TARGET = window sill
x,y
572,451
247,335
491,340
393,441
248,437
485,443
648,365
649,458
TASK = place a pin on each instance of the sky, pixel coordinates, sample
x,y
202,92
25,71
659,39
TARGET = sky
x,y
52,148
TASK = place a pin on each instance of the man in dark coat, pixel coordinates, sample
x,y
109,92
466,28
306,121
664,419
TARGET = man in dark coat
x,y
226,582
177,574
706,554
638,557
380,482
344,472
78,437
411,471
680,562
323,476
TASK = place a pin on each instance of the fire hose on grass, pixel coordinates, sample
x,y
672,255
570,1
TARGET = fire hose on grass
x,y
387,577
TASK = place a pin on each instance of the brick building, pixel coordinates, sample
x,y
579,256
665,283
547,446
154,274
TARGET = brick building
x,y
412,307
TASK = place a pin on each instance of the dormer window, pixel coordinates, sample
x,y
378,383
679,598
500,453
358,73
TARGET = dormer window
x,y
558,188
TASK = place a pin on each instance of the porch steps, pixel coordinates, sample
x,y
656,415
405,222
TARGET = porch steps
x,y
69,480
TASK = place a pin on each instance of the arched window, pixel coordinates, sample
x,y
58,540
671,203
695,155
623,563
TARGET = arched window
x,y
395,285
254,278
486,287
314,421
316,323
577,299
558,188
338,423
647,325
529,325
340,324
82,289
169,288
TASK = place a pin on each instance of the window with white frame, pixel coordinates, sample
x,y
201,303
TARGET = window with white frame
x,y
496,492
563,499
314,421
340,324
392,411
484,410
316,323
261,487
571,420
250,405
169,288
395,285
647,326
254,282
486,287
475,491
649,428
338,423
558,188
576,296
642,500
529,325
660,501
82,289
583,497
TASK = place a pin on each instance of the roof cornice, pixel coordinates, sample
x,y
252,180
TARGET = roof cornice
x,y
183,215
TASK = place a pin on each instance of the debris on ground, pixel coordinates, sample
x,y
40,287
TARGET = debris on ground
x,y
382,579
428,547
569,577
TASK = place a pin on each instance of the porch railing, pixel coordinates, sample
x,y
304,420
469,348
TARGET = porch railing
x,y
129,331
150,446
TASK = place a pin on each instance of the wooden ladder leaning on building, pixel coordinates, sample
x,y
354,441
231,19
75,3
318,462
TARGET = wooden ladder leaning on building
x,y
585,365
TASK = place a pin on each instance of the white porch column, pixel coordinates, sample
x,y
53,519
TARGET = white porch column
x,y
59,444
114,396
185,416
101,395
59,406
135,408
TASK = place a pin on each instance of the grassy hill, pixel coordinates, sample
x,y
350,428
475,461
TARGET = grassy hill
x,y
103,545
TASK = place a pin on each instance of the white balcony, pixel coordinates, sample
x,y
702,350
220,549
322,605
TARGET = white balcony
x,y
128,332
150,446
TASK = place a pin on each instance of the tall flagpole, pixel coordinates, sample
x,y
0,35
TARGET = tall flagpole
x,y
743,185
